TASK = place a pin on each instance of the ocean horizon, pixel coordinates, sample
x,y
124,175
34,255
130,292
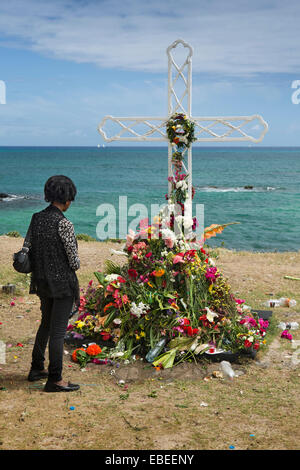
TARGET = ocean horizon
x,y
259,187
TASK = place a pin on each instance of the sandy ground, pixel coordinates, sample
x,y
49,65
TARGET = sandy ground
x,y
183,408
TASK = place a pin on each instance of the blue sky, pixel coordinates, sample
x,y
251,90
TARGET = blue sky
x,y
66,64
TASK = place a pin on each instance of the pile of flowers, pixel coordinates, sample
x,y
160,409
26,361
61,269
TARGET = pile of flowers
x,y
169,287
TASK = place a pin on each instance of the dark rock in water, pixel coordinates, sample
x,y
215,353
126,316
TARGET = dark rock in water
x,y
3,195
248,187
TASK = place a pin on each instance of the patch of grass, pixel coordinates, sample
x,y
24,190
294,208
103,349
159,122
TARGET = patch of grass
x,y
85,237
13,234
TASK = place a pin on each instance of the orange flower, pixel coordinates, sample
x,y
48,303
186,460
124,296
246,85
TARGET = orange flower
x,y
212,230
174,305
93,350
159,272
107,306
74,354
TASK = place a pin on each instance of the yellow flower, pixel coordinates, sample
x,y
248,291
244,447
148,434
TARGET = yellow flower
x,y
80,324
137,336
149,284
142,333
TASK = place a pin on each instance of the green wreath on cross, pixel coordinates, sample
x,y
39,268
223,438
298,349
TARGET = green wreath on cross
x,y
181,131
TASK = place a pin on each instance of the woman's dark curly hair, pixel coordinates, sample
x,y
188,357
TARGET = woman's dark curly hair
x,y
59,188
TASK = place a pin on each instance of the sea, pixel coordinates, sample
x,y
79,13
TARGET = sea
x,y
258,187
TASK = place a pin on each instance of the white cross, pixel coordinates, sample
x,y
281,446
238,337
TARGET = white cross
x,y
205,127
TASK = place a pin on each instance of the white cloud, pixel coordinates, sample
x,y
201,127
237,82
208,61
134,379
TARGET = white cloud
x,y
233,38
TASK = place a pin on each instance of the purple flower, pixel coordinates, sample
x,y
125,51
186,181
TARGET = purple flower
x,y
77,335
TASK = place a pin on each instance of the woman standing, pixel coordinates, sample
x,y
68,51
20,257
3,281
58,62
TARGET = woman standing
x,y
54,259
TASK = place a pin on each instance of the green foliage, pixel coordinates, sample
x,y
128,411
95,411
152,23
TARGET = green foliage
x,y
110,267
13,234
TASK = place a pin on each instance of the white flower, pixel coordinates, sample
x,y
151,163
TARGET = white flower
x,y
246,307
168,233
181,184
251,339
139,310
118,252
183,139
118,354
112,277
210,315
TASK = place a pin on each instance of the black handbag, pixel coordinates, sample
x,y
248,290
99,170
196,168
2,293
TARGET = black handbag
x,y
21,259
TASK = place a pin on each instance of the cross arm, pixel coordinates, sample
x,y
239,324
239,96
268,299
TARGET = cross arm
x,y
206,128
152,129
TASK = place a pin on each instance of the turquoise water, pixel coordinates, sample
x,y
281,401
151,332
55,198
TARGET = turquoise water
x,y
269,213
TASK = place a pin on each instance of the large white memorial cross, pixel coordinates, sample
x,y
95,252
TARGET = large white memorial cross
x,y
207,129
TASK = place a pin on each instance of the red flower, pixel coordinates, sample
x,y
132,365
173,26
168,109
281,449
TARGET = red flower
x,y
247,344
195,331
256,346
204,320
130,248
132,273
190,331
105,336
148,255
121,280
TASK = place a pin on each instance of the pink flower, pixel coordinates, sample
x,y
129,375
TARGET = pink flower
x,y
263,323
239,301
178,258
12,303
211,274
285,334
